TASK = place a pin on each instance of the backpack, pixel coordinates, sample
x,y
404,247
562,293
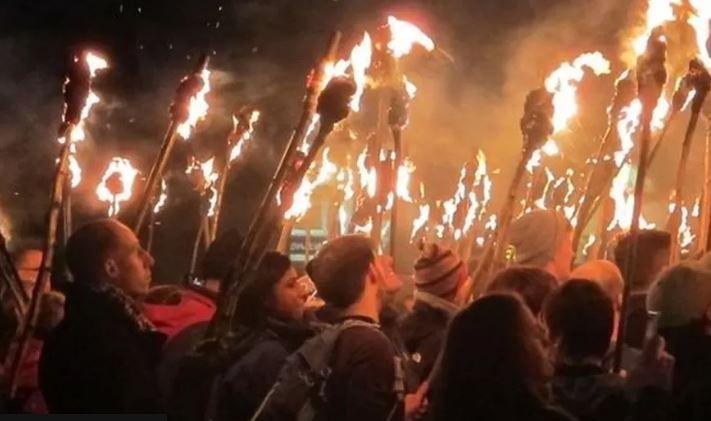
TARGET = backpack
x,y
299,389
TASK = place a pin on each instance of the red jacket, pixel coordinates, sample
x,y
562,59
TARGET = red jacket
x,y
170,319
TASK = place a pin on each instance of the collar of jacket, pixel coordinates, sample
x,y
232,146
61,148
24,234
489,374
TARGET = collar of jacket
x,y
110,300
437,302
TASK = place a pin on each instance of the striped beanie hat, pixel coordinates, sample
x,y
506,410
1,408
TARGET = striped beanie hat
x,y
438,271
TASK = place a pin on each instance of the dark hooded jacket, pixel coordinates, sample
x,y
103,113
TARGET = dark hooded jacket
x,y
424,331
246,382
102,357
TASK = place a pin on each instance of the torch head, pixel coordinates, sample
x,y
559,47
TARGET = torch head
x,y
115,183
651,72
76,90
334,101
700,81
398,113
189,87
537,121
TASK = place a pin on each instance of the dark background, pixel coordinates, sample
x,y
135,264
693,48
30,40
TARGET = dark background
x,y
260,53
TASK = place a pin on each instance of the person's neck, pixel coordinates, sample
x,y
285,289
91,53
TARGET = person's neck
x,y
364,308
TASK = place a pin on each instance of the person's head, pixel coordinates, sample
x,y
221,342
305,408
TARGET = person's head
x,y
544,239
276,293
108,251
604,273
580,317
347,271
534,285
494,347
682,296
219,257
27,262
440,272
653,248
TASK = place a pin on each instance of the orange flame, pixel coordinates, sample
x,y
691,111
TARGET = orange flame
x,y
119,174
550,148
404,175
591,240
476,206
404,35
563,84
198,107
74,170
302,197
541,201
239,143
686,237
624,201
365,229
420,221
658,12
361,56
535,161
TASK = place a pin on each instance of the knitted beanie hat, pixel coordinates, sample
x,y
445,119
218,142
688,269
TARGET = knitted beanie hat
x,y
438,271
537,235
681,295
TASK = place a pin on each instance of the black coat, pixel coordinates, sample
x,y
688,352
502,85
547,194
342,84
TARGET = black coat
x,y
423,333
250,376
98,360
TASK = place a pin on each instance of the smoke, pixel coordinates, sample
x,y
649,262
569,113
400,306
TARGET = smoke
x,y
261,52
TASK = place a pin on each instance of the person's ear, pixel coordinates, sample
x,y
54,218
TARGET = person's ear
x,y
111,268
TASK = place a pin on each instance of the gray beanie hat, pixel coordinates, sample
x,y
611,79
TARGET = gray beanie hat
x,y
681,295
536,236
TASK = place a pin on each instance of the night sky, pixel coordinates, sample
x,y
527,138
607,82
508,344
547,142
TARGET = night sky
x,y
260,54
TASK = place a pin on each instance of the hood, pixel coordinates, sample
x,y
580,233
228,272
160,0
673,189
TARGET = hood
x,y
171,319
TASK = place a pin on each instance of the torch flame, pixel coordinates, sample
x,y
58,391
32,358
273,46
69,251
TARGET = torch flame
x,y
686,237
410,87
239,143
535,161
658,12
403,35
162,198
94,63
700,22
117,184
563,84
591,240
624,201
74,170
365,229
420,221
198,107
361,56
302,197
550,148
404,175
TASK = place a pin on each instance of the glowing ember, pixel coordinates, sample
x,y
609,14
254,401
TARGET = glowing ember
x,y
239,143
198,107
361,56
404,174
302,197
563,84
403,35
117,184
162,198
420,221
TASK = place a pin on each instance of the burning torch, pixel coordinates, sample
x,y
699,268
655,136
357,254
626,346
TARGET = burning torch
x,y
397,120
651,77
241,132
625,91
185,96
78,100
536,126
699,80
229,289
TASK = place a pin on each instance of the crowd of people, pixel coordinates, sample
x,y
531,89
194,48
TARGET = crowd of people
x,y
350,339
